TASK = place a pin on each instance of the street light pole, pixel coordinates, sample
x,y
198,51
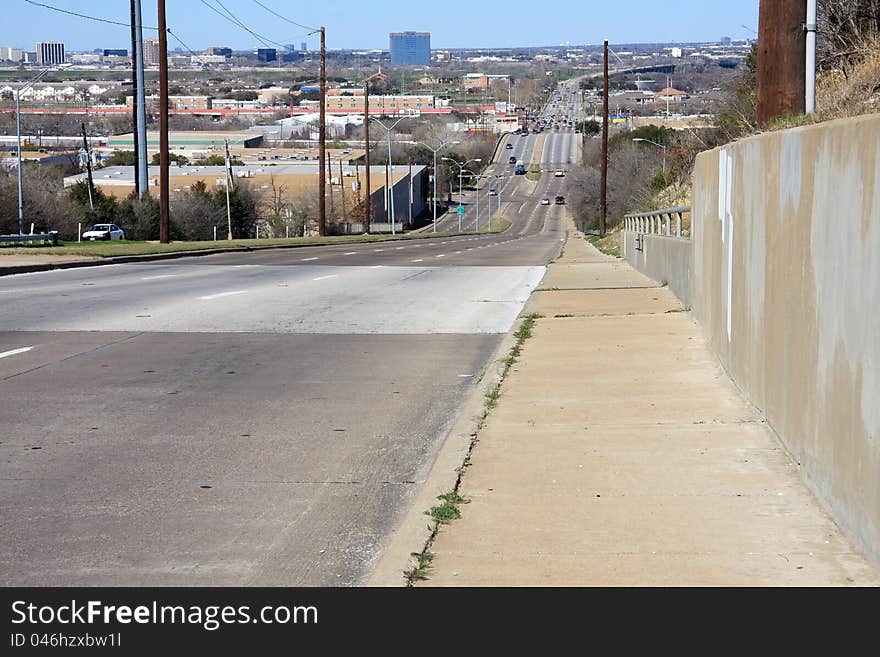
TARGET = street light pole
x,y
390,185
30,83
434,187
661,146
461,168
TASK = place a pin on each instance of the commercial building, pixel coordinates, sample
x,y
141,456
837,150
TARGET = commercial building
x,y
379,104
10,54
176,102
115,52
219,50
410,48
151,52
267,54
50,53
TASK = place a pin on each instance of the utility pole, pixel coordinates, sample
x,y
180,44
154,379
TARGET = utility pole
x,y
330,180
134,98
368,204
342,187
164,205
810,27
229,178
89,168
140,102
603,194
322,142
782,56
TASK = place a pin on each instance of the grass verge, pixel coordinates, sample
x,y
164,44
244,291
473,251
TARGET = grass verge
x,y
115,249
496,225
607,245
534,172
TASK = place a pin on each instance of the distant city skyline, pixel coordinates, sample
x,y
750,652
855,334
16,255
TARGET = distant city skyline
x,y
352,25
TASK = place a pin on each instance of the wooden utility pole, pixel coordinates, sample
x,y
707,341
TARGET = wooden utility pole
x,y
342,187
164,205
322,142
368,202
330,180
89,168
782,56
134,106
603,194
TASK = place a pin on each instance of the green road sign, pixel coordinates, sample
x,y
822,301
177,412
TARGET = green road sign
x,y
460,209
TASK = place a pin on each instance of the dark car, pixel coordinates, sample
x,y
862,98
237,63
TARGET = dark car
x,y
560,200
512,159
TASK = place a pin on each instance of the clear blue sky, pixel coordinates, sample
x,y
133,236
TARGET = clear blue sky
x,y
365,24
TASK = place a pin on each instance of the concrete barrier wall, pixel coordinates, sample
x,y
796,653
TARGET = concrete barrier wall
x,y
667,259
786,284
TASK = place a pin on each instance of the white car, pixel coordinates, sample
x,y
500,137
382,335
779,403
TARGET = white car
x,y
104,232
493,192
559,174
545,201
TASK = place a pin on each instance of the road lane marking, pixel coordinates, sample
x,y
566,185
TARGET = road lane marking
x,y
417,260
324,278
307,259
377,250
15,352
442,255
153,278
400,248
210,297
350,253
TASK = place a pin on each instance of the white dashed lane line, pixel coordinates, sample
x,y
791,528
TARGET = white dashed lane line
x,y
417,260
307,259
324,278
211,297
15,352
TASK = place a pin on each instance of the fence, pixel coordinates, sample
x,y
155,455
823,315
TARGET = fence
x,y
658,222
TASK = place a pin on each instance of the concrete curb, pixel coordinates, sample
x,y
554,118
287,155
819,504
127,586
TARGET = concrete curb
x,y
414,531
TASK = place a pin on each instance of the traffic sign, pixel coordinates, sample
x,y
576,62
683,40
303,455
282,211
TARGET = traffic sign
x,y
460,210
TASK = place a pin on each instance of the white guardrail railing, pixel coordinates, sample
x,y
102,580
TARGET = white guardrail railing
x,y
666,222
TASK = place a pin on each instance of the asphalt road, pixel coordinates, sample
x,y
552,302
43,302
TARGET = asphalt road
x,y
256,418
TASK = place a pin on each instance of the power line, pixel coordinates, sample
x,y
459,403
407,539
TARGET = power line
x,y
284,18
230,17
87,17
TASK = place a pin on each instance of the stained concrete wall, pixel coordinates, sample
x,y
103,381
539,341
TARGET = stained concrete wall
x,y
786,283
785,280
667,259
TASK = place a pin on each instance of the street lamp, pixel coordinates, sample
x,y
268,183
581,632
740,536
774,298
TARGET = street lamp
x,y
461,168
658,146
390,184
30,83
435,151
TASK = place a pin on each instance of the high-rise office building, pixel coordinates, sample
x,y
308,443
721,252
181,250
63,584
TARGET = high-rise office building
x,y
219,50
115,52
10,54
267,55
50,53
304,46
410,48
151,52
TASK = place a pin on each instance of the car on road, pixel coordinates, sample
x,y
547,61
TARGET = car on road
x,y
103,232
493,192
509,146
520,170
559,173
512,159
545,201
560,200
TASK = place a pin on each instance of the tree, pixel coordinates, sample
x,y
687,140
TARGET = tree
x,y
182,160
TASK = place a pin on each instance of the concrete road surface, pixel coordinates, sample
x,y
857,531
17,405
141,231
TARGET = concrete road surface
x,y
242,419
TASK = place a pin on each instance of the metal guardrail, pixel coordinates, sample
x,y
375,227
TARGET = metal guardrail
x,y
666,222
51,238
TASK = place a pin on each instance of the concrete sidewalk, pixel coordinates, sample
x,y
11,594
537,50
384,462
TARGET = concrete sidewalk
x,y
621,454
